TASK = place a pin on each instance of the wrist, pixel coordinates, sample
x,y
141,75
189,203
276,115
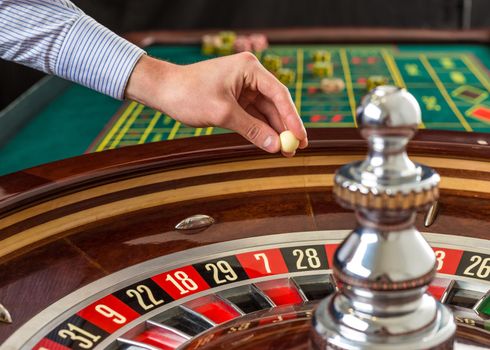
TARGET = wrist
x,y
147,79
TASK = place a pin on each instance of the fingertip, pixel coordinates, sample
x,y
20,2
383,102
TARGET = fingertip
x,y
288,154
303,143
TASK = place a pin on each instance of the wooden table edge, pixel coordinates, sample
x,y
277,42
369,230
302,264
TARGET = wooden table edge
x,y
321,35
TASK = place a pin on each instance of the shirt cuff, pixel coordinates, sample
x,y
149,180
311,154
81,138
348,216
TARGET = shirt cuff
x,y
96,57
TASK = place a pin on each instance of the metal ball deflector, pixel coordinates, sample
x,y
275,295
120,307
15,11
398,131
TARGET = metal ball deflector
x,y
384,265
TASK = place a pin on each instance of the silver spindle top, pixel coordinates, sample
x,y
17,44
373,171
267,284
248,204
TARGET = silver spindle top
x,y
387,179
389,107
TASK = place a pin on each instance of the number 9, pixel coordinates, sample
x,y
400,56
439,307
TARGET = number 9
x,y
106,311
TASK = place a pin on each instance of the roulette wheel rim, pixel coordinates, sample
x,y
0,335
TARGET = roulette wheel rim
x,y
323,142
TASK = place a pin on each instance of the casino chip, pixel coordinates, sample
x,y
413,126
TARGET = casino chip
x,y
332,85
207,45
285,76
227,43
227,37
259,42
242,44
210,44
220,44
322,56
323,69
225,49
374,81
272,63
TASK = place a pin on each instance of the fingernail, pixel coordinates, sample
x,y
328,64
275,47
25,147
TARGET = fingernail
x,y
267,142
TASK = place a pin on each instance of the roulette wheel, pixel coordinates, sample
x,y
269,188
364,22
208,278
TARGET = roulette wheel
x,y
211,244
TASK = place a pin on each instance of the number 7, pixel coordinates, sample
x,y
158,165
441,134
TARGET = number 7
x,y
262,256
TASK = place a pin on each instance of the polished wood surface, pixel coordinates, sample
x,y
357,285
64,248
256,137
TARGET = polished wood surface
x,y
36,184
106,201
322,35
217,174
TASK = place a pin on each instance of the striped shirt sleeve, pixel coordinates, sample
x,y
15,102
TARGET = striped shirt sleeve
x,y
56,37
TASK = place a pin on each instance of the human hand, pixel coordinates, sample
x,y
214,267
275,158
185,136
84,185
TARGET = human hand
x,y
234,92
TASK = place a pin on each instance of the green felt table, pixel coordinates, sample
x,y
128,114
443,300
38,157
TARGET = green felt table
x,y
451,83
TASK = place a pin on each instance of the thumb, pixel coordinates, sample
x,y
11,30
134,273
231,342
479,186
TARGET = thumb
x,y
253,129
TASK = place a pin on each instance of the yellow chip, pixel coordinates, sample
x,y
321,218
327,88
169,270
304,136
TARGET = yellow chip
x,y
207,47
322,56
225,49
323,69
228,37
285,76
272,63
374,81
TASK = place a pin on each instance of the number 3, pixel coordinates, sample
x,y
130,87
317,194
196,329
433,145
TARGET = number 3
x,y
440,255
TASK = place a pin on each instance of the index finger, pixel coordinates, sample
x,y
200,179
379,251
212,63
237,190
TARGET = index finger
x,y
269,86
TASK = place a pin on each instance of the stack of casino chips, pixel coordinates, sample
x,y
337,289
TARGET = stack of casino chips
x,y
227,42
374,81
322,64
322,56
252,43
285,76
242,44
259,42
273,64
323,69
209,44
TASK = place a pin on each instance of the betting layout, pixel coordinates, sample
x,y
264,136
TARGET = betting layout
x,y
266,277
451,87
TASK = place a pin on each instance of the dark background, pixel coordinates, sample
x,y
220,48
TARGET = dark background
x,y
134,15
